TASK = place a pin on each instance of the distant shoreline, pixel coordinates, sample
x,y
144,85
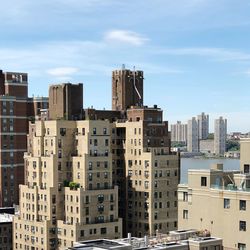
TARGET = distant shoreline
x,y
208,157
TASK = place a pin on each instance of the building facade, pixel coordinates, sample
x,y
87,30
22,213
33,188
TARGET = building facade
x,y
82,176
15,110
220,135
219,201
68,193
6,218
127,89
179,132
203,126
193,136
66,101
150,172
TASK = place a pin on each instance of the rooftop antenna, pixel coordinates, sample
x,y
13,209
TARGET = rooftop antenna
x,y
138,93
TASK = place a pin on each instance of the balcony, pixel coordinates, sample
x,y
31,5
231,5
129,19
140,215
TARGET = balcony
x,y
230,187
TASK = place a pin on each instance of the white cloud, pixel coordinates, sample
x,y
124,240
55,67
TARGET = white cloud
x,y
62,72
247,72
125,36
219,54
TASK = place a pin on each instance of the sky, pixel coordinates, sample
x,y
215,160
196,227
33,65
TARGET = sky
x,y
195,54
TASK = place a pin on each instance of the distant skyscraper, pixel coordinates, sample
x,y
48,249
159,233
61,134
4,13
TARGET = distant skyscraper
x,y
179,132
220,134
193,141
203,126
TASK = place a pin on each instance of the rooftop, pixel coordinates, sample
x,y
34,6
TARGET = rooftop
x,y
4,218
174,240
99,244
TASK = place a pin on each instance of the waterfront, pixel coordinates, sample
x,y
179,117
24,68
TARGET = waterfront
x,y
201,163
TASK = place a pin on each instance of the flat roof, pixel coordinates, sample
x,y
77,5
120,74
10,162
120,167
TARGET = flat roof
x,y
102,244
4,218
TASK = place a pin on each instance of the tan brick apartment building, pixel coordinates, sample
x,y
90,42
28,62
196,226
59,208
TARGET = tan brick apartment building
x,y
116,163
219,201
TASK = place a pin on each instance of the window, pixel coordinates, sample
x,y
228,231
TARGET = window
x,y
203,181
104,131
83,131
90,176
111,197
87,200
242,225
100,208
103,230
246,168
59,143
227,203
130,163
90,165
185,196
111,218
100,198
94,131
242,246
62,131
242,205
185,214
217,247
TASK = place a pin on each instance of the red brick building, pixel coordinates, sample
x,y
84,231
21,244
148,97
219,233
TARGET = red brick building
x,y
15,111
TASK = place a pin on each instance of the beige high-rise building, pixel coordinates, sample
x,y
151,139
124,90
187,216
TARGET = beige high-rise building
x,y
203,126
179,132
68,193
193,135
219,201
220,136
81,176
150,173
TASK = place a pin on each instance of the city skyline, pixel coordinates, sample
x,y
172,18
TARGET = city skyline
x,y
190,51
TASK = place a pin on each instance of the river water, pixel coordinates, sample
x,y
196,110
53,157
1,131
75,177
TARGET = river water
x,y
193,163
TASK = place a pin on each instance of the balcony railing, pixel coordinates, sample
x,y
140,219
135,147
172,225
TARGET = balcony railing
x,y
230,188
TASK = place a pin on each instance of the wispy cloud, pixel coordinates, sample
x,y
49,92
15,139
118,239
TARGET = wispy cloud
x,y
247,72
125,36
219,54
63,72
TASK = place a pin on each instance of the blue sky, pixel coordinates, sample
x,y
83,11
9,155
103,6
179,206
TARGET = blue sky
x,y
195,53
